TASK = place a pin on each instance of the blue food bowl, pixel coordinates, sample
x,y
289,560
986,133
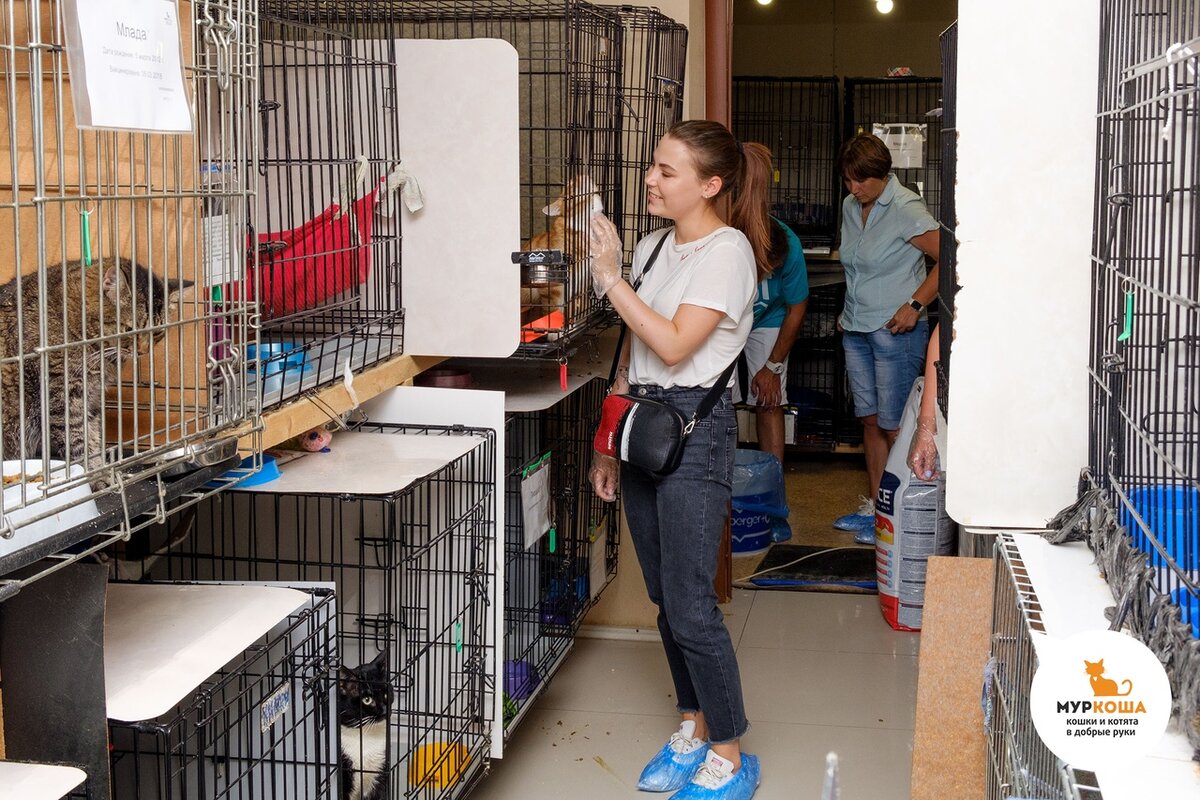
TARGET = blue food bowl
x,y
521,679
277,357
268,473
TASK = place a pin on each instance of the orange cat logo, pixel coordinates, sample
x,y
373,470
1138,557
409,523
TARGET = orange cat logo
x,y
1101,686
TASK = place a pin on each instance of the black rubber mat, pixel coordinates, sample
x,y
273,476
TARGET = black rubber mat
x,y
815,569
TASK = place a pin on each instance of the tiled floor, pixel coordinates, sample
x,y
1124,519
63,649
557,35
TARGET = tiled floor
x,y
820,672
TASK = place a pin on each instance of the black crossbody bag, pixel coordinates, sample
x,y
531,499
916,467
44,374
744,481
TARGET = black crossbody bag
x,y
649,433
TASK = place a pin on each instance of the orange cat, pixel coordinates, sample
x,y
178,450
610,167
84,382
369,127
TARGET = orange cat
x,y
1104,687
570,215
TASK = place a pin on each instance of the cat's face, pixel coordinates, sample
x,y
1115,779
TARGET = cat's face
x,y
135,299
364,693
1094,668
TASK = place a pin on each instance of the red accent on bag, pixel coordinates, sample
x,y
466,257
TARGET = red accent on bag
x,y
318,260
611,413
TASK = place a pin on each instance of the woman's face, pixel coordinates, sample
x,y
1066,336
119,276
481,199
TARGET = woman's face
x,y
865,191
673,188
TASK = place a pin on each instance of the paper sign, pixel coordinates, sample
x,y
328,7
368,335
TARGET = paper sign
x,y
535,501
905,141
126,65
597,550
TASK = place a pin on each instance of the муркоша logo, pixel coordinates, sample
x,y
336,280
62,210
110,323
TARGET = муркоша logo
x,y
1103,687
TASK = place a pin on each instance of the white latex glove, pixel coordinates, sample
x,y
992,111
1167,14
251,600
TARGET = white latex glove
x,y
605,251
605,475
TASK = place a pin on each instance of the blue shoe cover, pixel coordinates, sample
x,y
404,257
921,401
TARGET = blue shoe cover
x,y
865,536
740,787
669,769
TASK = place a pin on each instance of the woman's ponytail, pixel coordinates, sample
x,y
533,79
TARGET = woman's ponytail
x,y
749,211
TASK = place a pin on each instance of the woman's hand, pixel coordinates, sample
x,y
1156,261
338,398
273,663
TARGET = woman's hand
x,y
904,320
767,388
922,450
604,247
605,476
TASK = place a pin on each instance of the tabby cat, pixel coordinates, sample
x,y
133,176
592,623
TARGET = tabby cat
x,y
364,705
118,300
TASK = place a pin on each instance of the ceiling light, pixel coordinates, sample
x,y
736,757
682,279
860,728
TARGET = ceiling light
x,y
882,6
764,2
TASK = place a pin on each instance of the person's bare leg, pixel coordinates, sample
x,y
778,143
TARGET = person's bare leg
x,y
770,431
876,444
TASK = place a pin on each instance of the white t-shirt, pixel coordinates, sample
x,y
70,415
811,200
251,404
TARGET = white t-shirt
x,y
714,272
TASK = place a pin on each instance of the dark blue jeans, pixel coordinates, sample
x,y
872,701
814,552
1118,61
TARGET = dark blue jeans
x,y
676,522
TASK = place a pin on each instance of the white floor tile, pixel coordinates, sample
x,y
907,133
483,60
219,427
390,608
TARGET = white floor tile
x,y
613,676
862,690
845,623
820,672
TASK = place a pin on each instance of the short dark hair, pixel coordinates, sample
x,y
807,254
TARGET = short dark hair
x,y
864,156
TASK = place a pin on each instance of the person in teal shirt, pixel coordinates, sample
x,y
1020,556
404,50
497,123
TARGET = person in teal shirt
x,y
887,233
779,309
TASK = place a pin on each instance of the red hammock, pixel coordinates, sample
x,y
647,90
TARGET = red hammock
x,y
303,268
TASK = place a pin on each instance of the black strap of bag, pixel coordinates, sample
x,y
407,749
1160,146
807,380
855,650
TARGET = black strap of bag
x,y
714,394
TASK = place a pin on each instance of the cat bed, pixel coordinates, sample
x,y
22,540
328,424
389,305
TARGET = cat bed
x,y
437,764
305,267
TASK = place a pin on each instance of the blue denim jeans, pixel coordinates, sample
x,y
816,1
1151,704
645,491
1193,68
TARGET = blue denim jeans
x,y
881,367
676,522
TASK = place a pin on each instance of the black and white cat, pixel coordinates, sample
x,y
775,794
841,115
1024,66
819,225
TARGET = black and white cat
x,y
364,705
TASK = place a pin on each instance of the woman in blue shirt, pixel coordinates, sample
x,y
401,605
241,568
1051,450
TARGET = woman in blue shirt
x,y
886,234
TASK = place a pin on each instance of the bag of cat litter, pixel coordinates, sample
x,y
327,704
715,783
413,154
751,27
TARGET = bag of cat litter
x,y
910,526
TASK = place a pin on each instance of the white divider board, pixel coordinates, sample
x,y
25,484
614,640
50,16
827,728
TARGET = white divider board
x,y
161,641
1026,174
421,405
458,112
1073,596
366,463
21,781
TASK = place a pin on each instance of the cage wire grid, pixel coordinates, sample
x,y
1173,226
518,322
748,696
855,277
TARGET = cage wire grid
x,y
222,742
894,102
326,240
117,376
797,119
1144,366
553,582
947,214
412,574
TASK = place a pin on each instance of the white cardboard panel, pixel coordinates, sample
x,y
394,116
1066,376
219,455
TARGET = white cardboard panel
x,y
366,463
161,641
422,405
458,109
1018,418
20,781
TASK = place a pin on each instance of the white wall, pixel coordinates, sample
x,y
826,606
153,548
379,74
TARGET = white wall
x,y
1017,434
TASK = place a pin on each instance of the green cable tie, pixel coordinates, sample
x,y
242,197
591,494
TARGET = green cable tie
x,y
1127,331
458,644
85,235
553,539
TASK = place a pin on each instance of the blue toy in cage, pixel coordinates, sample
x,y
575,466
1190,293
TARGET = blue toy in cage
x,y
520,679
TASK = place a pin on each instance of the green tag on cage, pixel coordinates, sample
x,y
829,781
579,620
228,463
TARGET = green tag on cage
x,y
1127,330
85,237
777,176
458,637
553,539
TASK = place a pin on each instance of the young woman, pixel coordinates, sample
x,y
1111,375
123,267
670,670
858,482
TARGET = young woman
x,y
690,318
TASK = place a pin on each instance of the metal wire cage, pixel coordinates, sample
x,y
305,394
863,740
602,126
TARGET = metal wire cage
x,y
553,581
1145,332
411,559
326,246
652,74
570,117
121,363
907,114
947,214
797,118
264,725
1019,763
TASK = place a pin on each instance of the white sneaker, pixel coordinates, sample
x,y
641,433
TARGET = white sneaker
x,y
859,519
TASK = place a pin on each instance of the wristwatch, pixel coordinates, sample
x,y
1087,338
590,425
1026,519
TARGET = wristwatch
x,y
774,366
915,304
